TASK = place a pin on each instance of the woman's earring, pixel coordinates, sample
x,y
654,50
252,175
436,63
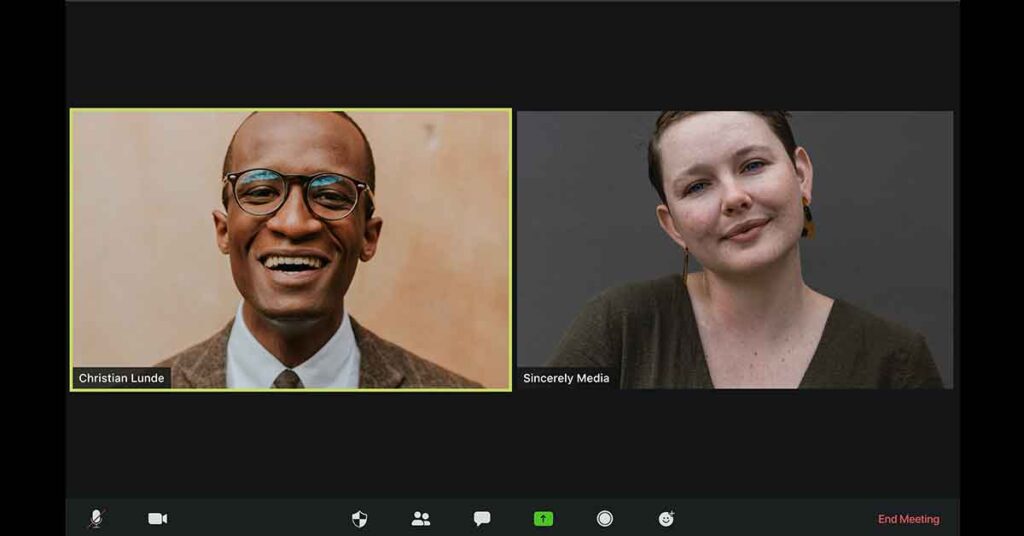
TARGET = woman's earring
x,y
686,264
808,221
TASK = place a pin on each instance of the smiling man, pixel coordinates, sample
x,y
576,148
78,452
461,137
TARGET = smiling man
x,y
297,220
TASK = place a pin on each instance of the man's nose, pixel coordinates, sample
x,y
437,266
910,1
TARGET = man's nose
x,y
736,199
294,219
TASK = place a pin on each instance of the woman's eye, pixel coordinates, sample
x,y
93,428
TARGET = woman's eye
x,y
695,188
753,166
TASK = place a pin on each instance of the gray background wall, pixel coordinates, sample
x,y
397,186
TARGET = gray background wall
x,y
883,206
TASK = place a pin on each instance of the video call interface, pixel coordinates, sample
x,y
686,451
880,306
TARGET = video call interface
x,y
513,268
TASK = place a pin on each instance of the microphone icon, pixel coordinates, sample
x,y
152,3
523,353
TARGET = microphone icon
x,y
96,519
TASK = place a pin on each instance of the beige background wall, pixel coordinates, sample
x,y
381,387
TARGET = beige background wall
x,y
149,280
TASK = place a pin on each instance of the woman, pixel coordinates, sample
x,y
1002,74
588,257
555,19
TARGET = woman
x,y
736,194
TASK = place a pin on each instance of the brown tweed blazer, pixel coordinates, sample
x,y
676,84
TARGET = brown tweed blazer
x,y
382,364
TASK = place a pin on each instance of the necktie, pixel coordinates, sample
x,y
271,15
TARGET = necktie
x,y
288,379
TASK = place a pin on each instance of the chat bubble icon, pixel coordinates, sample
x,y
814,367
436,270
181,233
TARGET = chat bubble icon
x,y
481,518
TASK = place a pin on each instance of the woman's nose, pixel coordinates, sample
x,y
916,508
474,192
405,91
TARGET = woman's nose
x,y
735,197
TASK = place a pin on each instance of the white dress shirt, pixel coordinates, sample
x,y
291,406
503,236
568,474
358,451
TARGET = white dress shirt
x,y
251,366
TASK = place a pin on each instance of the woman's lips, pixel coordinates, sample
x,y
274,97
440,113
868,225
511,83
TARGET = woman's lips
x,y
750,234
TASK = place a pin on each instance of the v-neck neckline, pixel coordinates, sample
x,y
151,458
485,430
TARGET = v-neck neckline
x,y
815,369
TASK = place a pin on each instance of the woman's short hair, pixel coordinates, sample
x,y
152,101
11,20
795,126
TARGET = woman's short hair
x,y
778,121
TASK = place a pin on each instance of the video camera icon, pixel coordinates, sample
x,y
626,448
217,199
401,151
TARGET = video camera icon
x,y
156,518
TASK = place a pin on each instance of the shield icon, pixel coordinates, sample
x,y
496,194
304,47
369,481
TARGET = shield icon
x,y
359,519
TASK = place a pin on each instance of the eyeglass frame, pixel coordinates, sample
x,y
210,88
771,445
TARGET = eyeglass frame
x,y
305,180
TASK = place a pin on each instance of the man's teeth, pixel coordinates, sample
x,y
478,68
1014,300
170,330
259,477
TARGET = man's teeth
x,y
275,261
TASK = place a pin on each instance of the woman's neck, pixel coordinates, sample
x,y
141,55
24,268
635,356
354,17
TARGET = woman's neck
x,y
767,302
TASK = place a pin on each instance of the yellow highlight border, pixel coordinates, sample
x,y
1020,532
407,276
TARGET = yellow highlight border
x,y
71,253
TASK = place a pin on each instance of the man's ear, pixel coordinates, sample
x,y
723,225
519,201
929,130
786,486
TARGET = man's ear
x,y
668,225
804,171
220,226
371,234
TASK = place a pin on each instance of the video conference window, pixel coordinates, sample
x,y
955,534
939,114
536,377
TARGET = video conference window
x,y
715,249
288,249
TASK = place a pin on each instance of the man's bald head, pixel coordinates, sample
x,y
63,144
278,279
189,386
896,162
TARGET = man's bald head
x,y
367,174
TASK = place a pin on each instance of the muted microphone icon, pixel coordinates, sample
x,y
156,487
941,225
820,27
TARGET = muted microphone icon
x,y
95,519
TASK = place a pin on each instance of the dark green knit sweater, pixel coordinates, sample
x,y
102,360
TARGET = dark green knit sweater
x,y
648,331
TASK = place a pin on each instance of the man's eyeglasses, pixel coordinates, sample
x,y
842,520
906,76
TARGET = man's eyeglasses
x,y
329,196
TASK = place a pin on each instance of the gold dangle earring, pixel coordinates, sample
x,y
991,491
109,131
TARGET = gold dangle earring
x,y
808,221
686,264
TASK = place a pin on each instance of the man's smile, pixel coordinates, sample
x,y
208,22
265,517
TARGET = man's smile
x,y
292,264
293,267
